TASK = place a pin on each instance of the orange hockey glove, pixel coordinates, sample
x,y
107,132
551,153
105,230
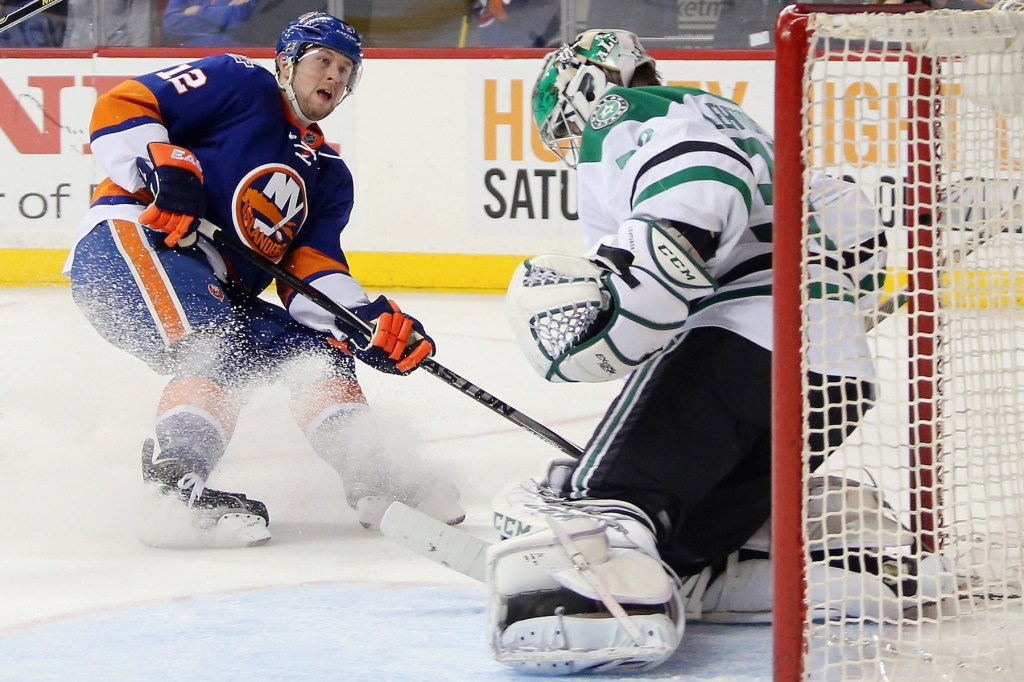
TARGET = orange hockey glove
x,y
398,343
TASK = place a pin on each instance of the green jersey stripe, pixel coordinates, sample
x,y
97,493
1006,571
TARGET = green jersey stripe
x,y
696,174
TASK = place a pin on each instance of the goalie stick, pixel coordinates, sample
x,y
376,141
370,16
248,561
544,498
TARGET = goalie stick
x,y
435,540
214,233
26,12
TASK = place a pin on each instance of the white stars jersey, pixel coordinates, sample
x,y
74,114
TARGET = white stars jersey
x,y
698,161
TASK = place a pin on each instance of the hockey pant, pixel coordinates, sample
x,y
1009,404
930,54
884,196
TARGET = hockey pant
x,y
688,440
218,341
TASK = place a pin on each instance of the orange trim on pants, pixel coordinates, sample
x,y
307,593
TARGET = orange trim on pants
x,y
312,401
203,394
160,297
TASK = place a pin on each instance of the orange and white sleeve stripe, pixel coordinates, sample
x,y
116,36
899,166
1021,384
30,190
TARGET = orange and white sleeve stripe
x,y
327,275
125,120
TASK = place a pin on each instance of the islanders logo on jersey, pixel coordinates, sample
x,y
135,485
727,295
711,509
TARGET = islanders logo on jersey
x,y
269,207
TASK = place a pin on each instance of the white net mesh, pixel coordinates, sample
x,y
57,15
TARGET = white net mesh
x,y
558,329
1010,5
923,113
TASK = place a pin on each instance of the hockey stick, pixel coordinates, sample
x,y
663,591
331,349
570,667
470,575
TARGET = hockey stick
x,y
435,540
214,233
26,12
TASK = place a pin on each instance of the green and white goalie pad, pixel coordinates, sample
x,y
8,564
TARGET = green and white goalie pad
x,y
562,600
598,317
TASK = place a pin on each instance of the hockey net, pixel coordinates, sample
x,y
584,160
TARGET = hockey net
x,y
923,112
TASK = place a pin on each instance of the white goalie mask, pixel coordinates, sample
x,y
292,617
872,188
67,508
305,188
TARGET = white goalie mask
x,y
572,80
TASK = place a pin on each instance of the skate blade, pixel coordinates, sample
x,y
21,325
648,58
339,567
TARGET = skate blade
x,y
241,530
232,530
371,510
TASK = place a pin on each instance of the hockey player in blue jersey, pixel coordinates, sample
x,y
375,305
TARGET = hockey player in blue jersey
x,y
222,138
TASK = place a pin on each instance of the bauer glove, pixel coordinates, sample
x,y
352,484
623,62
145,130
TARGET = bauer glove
x,y
398,343
174,177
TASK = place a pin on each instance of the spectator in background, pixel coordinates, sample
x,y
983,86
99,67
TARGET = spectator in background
x,y
117,23
266,17
489,10
411,23
43,30
747,24
653,18
524,23
205,23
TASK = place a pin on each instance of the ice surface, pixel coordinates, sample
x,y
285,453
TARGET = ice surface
x,y
81,598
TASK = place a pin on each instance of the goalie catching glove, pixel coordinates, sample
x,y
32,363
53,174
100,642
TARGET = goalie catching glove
x,y
599,317
174,177
397,344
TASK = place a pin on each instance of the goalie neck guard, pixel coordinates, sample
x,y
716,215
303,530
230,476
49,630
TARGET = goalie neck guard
x,y
573,79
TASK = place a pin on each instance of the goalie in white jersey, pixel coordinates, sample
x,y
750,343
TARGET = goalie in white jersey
x,y
674,294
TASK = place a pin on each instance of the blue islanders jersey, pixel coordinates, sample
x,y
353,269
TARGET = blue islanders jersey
x,y
276,185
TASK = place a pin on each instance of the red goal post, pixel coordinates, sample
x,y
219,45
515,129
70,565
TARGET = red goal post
x,y
925,109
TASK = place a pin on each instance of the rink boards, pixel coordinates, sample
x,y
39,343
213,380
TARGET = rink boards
x,y
453,186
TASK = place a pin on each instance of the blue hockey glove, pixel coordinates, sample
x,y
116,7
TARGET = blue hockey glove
x,y
174,177
398,343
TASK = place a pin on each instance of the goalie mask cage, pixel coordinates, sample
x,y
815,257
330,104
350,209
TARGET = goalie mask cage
x,y
924,112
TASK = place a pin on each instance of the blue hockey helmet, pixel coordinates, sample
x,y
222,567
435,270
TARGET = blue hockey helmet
x,y
319,28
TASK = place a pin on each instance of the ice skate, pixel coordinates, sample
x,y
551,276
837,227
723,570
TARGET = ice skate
x,y
435,498
212,518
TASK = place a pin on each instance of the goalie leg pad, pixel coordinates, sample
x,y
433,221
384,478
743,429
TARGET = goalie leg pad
x,y
525,507
562,599
741,594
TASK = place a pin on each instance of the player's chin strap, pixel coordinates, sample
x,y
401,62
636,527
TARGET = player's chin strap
x,y
289,93
289,90
583,566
